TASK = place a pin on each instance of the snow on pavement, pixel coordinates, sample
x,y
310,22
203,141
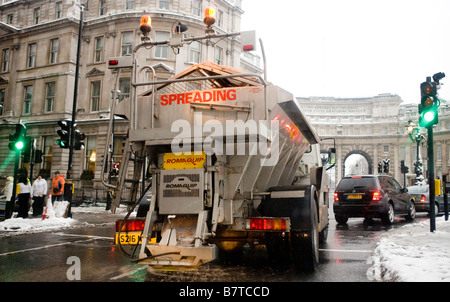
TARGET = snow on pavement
x,y
17,226
413,254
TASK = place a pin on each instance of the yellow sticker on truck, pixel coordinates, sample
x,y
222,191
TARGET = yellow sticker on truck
x,y
184,161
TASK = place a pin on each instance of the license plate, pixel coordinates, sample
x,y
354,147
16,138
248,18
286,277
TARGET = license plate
x,y
354,196
131,238
128,238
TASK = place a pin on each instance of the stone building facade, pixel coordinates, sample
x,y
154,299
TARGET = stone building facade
x,y
375,128
38,54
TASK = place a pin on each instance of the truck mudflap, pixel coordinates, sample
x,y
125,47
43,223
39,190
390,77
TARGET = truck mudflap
x,y
301,245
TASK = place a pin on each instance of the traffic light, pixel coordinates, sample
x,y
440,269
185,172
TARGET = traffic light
x,y
64,134
17,140
79,138
115,170
428,108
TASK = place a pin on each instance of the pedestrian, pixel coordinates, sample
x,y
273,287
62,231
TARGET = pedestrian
x,y
39,192
25,193
57,187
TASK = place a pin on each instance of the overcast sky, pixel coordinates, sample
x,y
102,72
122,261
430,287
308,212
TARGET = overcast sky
x,y
353,48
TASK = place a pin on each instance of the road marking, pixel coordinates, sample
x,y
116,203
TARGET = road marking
x,y
43,247
128,273
345,251
85,236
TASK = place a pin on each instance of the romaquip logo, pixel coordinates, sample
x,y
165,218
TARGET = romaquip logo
x,y
235,137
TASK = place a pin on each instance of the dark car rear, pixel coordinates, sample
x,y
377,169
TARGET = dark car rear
x,y
371,196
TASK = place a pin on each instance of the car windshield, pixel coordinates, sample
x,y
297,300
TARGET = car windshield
x,y
352,182
418,189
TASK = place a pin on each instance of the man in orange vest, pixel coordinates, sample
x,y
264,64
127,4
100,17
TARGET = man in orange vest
x,y
57,187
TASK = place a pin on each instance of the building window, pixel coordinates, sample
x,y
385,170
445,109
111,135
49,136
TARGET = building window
x,y
28,96
36,15
91,153
439,152
58,9
124,87
54,48
164,4
194,52
47,153
31,62
49,96
2,100
95,96
102,6
161,51
10,18
98,51
197,7
129,4
127,42
386,149
218,55
220,18
5,59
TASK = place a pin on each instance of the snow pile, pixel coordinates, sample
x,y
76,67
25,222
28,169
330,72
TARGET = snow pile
x,y
35,224
413,254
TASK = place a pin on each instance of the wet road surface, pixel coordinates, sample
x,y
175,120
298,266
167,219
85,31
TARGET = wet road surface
x,y
44,256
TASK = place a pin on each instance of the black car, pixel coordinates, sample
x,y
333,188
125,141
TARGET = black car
x,y
372,196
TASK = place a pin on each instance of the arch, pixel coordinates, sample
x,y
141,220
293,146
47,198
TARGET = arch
x,y
363,154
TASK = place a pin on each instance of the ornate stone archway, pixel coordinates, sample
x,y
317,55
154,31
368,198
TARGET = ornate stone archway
x,y
363,154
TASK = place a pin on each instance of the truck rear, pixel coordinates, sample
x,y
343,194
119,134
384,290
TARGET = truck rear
x,y
232,161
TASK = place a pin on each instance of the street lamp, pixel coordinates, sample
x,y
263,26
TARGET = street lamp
x,y
413,131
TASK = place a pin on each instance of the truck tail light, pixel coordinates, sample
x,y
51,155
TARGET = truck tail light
x,y
130,225
423,198
267,224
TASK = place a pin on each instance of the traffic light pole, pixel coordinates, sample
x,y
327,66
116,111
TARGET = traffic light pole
x,y
431,177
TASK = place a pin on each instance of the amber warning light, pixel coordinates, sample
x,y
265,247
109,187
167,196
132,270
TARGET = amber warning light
x,y
146,25
210,17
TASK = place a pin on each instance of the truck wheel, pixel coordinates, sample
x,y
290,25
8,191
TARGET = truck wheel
x,y
277,246
305,244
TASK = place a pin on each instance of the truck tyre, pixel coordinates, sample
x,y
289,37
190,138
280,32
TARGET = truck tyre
x,y
305,244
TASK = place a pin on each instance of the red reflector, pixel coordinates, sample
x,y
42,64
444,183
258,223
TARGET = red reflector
x,y
130,225
273,224
248,47
113,62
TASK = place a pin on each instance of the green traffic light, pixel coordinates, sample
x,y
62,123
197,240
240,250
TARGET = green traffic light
x,y
19,145
428,116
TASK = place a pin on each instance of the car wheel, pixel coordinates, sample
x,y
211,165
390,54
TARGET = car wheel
x,y
388,217
436,209
411,211
341,219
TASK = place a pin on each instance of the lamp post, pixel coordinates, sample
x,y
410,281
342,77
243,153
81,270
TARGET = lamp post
x,y
68,186
413,131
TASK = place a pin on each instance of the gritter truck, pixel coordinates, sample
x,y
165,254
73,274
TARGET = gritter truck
x,y
230,160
